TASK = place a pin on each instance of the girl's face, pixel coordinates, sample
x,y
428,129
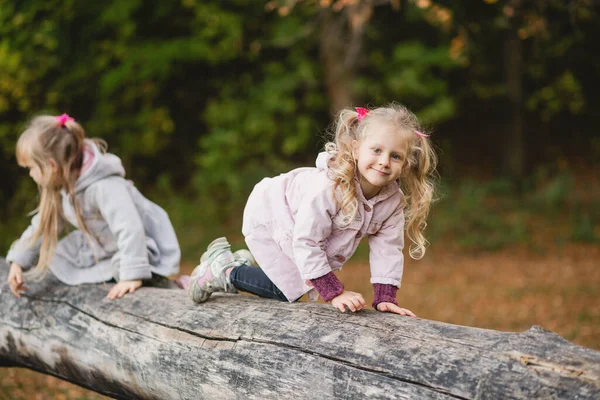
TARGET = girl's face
x,y
36,173
41,177
380,157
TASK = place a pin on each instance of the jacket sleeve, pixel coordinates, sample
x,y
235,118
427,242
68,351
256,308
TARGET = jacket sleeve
x,y
313,225
22,251
113,199
385,250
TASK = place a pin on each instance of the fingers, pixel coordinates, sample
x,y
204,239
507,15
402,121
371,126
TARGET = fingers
x,y
17,289
121,289
409,313
355,304
350,304
353,301
390,307
362,301
13,288
16,285
358,301
112,293
116,291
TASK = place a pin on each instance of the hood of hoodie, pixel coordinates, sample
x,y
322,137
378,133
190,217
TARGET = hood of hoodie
x,y
322,161
101,166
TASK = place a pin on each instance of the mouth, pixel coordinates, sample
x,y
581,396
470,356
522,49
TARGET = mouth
x,y
380,172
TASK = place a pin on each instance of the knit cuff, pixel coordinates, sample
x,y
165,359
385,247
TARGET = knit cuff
x,y
328,286
384,294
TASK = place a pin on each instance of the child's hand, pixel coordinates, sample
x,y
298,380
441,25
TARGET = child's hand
x,y
15,279
122,288
354,301
391,307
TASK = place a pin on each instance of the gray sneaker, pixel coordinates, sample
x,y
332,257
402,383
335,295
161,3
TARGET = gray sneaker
x,y
209,277
245,257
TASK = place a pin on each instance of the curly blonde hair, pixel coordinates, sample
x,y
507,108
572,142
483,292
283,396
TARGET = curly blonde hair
x,y
417,180
57,150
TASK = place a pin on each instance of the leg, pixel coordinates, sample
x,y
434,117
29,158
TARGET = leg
x,y
211,275
253,280
241,256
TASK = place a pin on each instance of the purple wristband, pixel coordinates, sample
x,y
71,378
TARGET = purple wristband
x,y
384,294
328,286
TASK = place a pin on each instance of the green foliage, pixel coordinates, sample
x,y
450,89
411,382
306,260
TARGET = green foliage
x,y
583,227
563,94
413,74
478,216
552,192
202,99
260,121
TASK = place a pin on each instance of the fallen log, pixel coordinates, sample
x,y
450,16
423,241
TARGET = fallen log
x,y
157,344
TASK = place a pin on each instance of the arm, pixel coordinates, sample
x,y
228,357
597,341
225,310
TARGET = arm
x,y
312,229
112,198
385,250
23,255
387,263
313,225
23,252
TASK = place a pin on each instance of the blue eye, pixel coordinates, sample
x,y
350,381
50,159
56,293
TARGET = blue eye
x,y
396,157
376,150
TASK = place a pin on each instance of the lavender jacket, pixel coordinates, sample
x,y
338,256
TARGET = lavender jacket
x,y
293,227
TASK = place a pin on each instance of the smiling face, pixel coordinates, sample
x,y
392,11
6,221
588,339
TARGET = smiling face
x,y
380,157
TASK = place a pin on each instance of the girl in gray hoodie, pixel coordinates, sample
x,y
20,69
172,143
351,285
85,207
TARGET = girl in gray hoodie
x,y
118,233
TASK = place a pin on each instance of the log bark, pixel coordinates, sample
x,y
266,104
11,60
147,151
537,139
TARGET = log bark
x,y
157,344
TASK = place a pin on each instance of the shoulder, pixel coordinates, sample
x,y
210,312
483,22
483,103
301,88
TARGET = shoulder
x,y
110,186
313,182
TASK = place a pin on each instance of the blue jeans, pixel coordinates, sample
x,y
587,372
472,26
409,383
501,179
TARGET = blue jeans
x,y
253,280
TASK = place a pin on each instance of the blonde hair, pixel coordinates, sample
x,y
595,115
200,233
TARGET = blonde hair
x,y
418,176
57,150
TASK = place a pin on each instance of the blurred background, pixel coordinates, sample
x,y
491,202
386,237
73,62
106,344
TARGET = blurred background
x,y
203,98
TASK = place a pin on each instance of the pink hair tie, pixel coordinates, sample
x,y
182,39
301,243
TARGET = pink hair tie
x,y
361,112
63,119
422,134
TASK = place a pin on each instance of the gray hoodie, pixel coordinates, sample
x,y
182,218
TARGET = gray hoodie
x,y
131,237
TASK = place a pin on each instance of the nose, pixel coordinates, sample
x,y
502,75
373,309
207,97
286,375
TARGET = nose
x,y
384,160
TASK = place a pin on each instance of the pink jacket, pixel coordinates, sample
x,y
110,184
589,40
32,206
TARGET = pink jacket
x,y
293,228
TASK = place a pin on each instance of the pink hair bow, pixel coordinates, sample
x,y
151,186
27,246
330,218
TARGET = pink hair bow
x,y
63,119
361,112
422,134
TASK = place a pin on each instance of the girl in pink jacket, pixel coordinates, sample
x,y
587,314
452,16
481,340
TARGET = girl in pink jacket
x,y
376,180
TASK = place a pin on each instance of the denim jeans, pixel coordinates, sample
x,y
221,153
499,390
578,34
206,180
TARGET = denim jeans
x,y
253,280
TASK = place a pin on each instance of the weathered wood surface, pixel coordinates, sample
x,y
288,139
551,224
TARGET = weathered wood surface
x,y
156,344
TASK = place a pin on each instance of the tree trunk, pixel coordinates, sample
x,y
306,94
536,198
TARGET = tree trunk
x,y
341,39
157,344
514,163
